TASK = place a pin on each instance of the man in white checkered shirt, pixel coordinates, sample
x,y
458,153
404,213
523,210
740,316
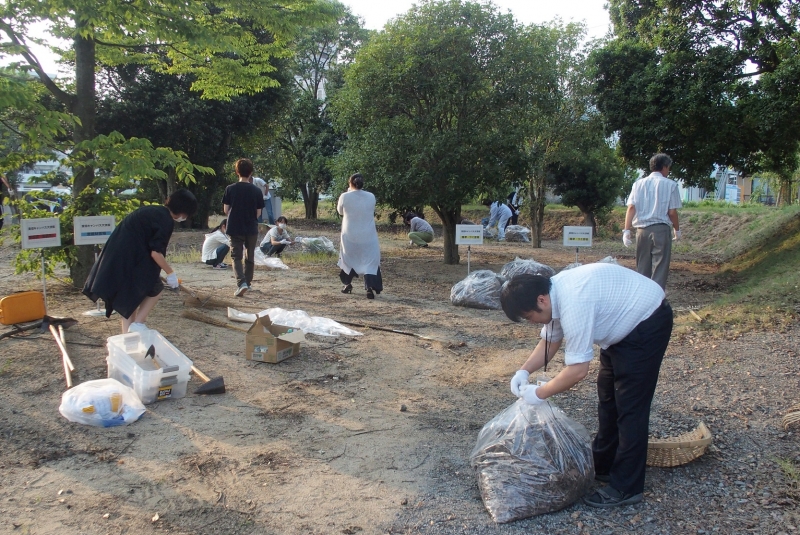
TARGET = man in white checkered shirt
x,y
627,316
652,206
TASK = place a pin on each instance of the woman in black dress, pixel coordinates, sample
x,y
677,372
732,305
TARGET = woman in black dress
x,y
126,276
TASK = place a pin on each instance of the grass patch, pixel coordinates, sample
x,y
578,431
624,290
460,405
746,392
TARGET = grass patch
x,y
791,474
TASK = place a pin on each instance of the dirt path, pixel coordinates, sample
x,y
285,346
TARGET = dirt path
x,y
321,443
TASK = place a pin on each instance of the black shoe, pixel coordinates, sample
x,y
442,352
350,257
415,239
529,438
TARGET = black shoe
x,y
347,289
370,295
611,497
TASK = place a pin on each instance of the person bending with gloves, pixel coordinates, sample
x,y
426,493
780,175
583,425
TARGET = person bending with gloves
x,y
626,315
276,239
126,275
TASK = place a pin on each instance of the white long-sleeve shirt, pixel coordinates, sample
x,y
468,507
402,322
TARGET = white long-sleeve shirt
x,y
210,244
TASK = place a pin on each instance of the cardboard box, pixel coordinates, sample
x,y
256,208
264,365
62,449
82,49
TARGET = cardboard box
x,y
270,342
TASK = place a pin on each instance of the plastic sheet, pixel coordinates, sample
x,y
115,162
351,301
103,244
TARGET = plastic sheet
x,y
608,260
480,289
518,233
317,245
520,265
101,403
260,259
531,460
296,319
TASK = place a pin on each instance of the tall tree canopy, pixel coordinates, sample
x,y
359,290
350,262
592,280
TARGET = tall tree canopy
x,y
707,82
226,46
427,108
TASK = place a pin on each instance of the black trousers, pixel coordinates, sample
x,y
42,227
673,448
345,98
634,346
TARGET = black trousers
x,y
370,281
246,245
626,383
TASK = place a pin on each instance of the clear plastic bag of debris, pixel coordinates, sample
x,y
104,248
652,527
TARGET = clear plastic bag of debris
x,y
531,460
480,289
260,259
518,233
101,403
608,260
317,245
520,265
490,232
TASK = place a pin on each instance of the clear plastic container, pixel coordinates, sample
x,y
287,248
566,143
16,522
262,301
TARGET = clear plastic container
x,y
153,379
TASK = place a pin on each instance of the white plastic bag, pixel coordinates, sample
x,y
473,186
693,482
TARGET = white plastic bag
x,y
297,319
101,403
518,233
531,460
260,259
317,245
480,289
531,267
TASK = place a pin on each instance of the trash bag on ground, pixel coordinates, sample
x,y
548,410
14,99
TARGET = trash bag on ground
x,y
260,259
297,319
531,460
317,245
490,232
608,260
520,265
518,233
480,289
101,403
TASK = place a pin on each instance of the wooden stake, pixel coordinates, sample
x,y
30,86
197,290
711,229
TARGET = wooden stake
x,y
64,357
694,314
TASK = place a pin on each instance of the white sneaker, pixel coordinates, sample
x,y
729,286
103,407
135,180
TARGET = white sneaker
x,y
410,242
241,289
136,327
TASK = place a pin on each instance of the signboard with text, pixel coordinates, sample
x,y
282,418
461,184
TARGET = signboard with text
x,y
38,233
577,236
469,234
96,229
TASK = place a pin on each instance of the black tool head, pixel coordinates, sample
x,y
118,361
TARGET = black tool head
x,y
151,352
213,386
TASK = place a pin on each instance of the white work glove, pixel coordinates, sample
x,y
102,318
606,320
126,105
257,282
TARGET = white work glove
x,y
677,235
528,394
519,380
626,238
286,242
172,280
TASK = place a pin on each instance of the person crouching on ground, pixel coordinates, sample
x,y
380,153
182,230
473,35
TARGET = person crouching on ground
x,y
277,238
421,233
499,214
242,203
126,275
626,315
216,246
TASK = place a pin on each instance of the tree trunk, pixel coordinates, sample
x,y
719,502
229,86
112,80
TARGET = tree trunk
x,y
450,219
537,188
588,219
785,193
83,175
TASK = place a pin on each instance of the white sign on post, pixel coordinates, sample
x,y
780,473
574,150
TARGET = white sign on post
x,y
469,235
40,233
91,230
577,236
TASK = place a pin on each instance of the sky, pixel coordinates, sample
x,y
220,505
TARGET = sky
x,y
376,13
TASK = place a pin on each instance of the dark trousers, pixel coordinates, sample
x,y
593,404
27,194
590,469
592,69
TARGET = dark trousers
x,y
626,383
248,244
370,281
219,255
269,249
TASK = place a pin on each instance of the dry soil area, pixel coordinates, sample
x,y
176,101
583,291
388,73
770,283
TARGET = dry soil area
x,y
372,434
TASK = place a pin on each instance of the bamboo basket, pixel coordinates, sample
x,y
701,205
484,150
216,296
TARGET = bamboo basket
x,y
792,417
675,451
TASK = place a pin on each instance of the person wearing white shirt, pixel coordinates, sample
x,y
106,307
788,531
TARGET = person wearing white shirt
x,y
216,246
263,185
626,315
653,211
499,213
276,239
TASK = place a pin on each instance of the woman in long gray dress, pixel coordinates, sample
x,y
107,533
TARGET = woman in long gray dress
x,y
359,251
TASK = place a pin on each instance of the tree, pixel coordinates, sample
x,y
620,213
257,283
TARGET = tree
x,y
305,142
591,179
707,82
227,47
426,109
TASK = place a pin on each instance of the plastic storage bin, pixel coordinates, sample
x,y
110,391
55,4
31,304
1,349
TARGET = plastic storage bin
x,y
164,377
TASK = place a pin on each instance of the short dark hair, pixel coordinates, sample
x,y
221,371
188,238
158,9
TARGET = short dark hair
x,y
409,216
660,161
182,201
243,167
281,219
520,294
357,181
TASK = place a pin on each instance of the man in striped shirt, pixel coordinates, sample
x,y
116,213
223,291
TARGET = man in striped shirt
x,y
627,316
652,207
